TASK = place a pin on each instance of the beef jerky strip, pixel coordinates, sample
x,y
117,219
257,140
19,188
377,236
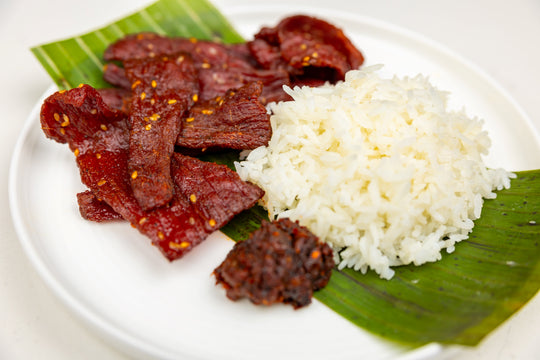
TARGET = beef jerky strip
x,y
116,98
144,45
211,202
234,121
224,67
162,91
307,47
80,115
99,138
215,82
190,216
280,262
207,197
221,67
204,53
265,50
212,187
169,227
94,209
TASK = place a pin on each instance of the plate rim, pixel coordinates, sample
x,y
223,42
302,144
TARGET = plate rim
x,y
131,344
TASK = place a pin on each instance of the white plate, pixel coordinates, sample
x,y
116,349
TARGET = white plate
x,y
110,276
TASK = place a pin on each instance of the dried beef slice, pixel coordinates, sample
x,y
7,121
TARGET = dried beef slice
x,y
215,82
299,50
213,194
94,209
280,262
99,138
308,48
162,91
236,120
196,210
116,75
116,98
145,45
93,119
221,67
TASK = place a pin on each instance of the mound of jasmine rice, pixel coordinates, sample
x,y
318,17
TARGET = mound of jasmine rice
x,y
378,168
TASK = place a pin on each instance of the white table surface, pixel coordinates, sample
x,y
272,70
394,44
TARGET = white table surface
x,y
500,36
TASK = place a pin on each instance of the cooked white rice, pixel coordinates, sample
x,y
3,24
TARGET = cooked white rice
x,y
378,168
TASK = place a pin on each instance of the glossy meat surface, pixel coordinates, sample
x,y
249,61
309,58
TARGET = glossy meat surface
x,y
236,120
94,209
162,91
221,67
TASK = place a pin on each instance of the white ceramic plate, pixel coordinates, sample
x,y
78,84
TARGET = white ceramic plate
x,y
110,276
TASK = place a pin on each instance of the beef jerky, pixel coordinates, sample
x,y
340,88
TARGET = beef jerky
x,y
207,196
307,47
212,194
204,53
116,98
162,91
240,52
266,51
208,54
216,191
221,67
280,262
224,67
234,121
99,138
215,194
79,116
215,82
144,45
116,75
94,209
192,214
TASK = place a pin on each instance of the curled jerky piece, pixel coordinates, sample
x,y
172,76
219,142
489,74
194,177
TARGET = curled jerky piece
x,y
116,98
280,262
94,209
80,117
236,120
162,91
308,47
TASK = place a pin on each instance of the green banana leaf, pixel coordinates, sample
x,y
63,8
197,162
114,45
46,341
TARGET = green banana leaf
x,y
78,60
457,300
